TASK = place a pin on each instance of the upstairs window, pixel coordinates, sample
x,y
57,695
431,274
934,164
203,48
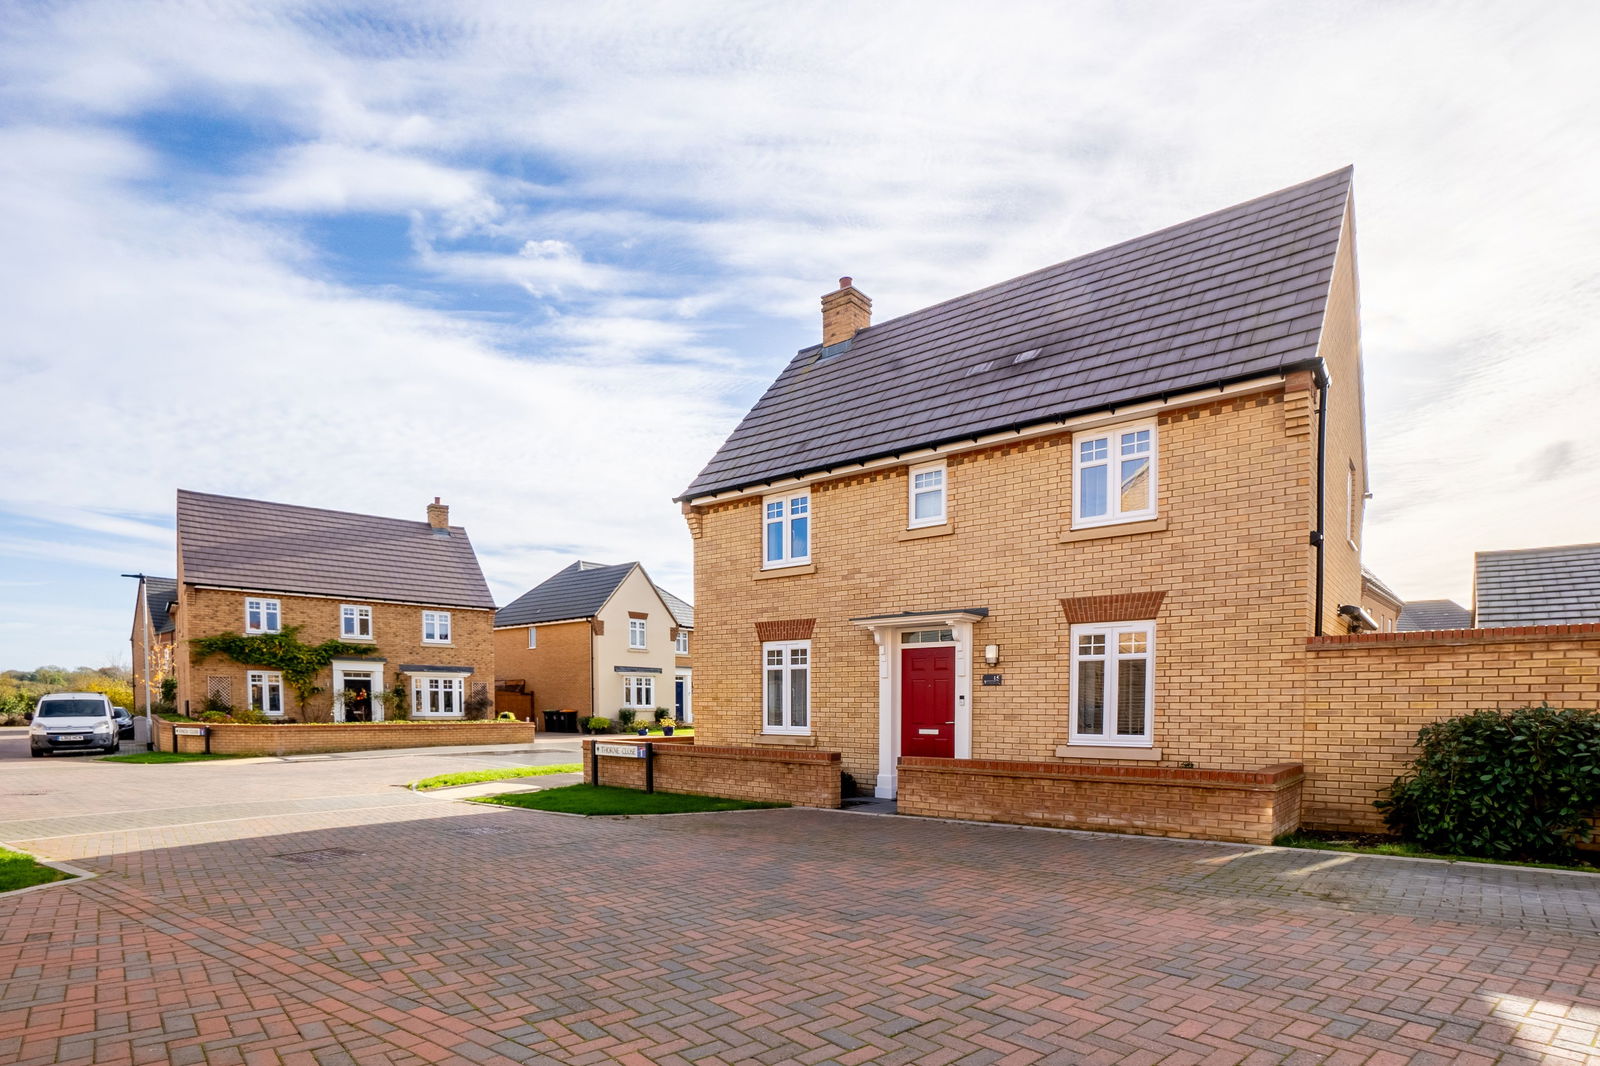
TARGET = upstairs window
x,y
1114,475
533,638
262,616
681,645
636,634
1113,683
355,622
435,627
786,686
787,530
927,504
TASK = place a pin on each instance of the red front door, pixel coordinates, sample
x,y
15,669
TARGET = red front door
x,y
928,702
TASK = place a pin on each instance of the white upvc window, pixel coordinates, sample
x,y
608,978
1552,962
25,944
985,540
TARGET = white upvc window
x,y
265,691
786,530
533,637
636,633
262,616
435,627
786,686
1113,683
1114,475
927,504
681,645
639,691
436,696
355,622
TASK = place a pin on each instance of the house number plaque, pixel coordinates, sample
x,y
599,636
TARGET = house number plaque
x,y
993,679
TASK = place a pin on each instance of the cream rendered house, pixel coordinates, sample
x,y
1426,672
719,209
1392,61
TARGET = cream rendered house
x,y
593,640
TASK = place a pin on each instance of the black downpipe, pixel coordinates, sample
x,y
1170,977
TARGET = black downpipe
x,y
1319,538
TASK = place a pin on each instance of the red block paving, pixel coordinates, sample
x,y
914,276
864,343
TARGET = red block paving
x,y
442,932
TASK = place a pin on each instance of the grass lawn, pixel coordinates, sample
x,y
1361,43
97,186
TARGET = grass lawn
x,y
20,871
169,756
472,777
1371,844
603,799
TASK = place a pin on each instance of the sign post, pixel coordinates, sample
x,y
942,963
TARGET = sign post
x,y
627,751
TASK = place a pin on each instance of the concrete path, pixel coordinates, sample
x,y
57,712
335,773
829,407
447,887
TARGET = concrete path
x,y
288,912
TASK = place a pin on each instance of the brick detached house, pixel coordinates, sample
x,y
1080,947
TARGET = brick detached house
x,y
593,639
152,615
412,590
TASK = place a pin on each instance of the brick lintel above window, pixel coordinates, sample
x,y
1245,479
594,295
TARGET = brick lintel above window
x,y
789,629
1124,607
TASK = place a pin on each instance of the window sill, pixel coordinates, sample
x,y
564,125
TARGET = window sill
x,y
944,529
1107,751
438,643
1115,529
792,740
786,571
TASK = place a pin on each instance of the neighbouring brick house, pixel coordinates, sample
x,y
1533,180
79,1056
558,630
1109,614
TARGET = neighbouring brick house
x,y
411,590
152,637
594,639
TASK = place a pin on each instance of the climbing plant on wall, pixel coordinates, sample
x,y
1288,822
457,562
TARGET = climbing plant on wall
x,y
284,651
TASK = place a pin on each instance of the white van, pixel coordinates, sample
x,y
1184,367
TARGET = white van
x,y
73,721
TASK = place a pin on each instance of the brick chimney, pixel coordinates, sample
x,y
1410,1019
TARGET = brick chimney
x,y
439,515
845,311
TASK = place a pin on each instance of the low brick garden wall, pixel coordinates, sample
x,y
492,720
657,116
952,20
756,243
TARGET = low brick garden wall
x,y
803,778
229,738
1247,806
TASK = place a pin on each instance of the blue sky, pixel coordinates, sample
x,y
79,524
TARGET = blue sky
x,y
538,259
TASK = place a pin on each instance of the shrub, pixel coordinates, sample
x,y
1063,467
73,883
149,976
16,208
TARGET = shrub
x,y
215,705
169,690
598,724
477,706
626,718
396,704
662,715
215,716
1518,784
249,716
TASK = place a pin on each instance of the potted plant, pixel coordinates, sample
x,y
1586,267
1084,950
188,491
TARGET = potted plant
x,y
598,724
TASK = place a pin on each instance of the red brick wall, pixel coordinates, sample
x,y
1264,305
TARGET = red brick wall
x,y
803,778
234,739
1248,806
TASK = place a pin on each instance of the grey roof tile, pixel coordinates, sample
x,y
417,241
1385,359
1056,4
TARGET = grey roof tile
x,y
1230,295
161,593
279,547
1538,586
574,592
1418,615
682,610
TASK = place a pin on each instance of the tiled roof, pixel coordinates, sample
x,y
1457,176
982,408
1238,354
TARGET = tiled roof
x,y
278,547
1228,296
682,610
1377,584
577,591
1432,614
159,594
1538,586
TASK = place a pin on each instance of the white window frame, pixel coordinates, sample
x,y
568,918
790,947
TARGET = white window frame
x,y
638,634
1350,528
266,681
786,649
1108,735
639,691
271,612
680,643
426,686
942,487
533,637
782,510
439,621
1112,436
358,612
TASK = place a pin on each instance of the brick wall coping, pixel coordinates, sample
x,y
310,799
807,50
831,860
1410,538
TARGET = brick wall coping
x,y
1434,637
688,747
387,727
1267,779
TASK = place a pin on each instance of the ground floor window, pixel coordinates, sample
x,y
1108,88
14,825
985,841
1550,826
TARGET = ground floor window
x,y
639,691
437,696
787,686
1113,683
266,691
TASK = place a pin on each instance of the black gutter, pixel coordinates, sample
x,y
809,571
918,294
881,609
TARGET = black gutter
x,y
1319,535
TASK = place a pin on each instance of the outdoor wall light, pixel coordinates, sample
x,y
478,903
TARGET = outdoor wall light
x,y
991,654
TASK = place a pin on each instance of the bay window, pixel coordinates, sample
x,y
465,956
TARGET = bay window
x,y
437,697
639,691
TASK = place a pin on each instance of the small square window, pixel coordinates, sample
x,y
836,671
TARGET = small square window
x,y
355,622
435,627
262,616
786,531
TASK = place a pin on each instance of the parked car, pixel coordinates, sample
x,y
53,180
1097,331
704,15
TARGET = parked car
x,y
74,721
124,722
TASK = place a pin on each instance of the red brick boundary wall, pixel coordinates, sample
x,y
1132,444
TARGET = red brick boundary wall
x,y
1367,695
804,778
236,739
1248,806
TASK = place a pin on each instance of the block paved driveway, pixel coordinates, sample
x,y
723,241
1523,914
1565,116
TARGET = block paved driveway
x,y
342,920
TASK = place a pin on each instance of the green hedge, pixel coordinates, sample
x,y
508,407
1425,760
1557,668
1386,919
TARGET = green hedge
x,y
1519,784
